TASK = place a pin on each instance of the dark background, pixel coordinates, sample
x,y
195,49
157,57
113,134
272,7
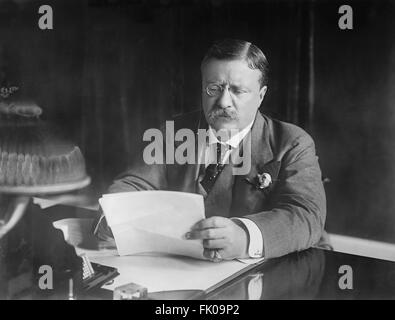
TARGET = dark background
x,y
111,69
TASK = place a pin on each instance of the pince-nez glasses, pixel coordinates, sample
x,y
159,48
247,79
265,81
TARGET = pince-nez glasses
x,y
215,90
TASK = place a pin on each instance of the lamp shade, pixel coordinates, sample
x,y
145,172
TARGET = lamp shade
x,y
34,158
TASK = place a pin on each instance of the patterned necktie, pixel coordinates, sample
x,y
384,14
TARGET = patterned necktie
x,y
213,171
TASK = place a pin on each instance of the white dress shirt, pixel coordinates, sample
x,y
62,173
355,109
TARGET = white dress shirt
x,y
208,155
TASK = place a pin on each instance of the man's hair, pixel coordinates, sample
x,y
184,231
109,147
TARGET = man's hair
x,y
233,49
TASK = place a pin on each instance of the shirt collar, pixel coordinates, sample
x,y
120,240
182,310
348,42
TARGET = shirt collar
x,y
234,141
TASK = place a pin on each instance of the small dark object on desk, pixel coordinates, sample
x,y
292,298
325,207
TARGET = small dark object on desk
x,y
100,276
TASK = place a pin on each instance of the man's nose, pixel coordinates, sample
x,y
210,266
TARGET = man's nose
x,y
225,99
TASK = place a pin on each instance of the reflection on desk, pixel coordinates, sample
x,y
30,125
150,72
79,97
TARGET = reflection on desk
x,y
313,274
295,276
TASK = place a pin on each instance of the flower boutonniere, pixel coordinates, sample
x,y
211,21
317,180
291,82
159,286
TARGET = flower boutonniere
x,y
261,181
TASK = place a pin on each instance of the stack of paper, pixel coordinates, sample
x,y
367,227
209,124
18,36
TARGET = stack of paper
x,y
154,221
168,273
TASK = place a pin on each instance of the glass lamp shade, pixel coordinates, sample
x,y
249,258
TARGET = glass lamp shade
x,y
34,160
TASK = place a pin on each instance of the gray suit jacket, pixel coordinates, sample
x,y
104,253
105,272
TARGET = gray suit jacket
x,y
290,213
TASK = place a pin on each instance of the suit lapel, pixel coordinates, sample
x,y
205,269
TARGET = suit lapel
x,y
246,197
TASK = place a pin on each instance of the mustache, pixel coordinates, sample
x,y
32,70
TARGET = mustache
x,y
218,112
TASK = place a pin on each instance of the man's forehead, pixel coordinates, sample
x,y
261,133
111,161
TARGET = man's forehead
x,y
234,71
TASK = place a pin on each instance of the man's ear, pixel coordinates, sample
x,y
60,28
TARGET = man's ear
x,y
262,93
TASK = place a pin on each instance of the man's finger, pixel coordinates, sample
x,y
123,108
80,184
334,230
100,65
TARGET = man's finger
x,y
212,222
212,233
214,244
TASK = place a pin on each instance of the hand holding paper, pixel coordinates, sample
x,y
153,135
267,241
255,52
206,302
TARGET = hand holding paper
x,y
221,234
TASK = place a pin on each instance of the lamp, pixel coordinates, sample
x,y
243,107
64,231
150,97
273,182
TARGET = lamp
x,y
34,160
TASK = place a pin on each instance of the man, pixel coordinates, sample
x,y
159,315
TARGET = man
x,y
278,206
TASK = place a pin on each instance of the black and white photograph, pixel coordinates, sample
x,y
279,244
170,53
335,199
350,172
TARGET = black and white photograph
x,y
217,151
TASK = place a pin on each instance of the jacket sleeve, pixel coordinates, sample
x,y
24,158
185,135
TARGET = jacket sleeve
x,y
141,177
298,203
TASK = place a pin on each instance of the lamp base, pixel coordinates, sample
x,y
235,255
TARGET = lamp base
x,y
36,262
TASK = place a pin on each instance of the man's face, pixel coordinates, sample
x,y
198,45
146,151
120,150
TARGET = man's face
x,y
234,93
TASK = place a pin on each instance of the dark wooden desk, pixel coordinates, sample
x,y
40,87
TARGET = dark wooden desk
x,y
311,274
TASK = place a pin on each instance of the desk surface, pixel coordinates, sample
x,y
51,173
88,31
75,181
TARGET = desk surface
x,y
314,274
311,274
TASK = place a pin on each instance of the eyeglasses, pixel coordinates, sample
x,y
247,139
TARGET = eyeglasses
x,y
215,90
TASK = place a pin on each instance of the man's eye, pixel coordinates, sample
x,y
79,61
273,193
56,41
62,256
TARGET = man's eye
x,y
240,91
215,88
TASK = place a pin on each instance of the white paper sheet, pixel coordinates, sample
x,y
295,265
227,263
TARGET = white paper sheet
x,y
154,221
166,273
